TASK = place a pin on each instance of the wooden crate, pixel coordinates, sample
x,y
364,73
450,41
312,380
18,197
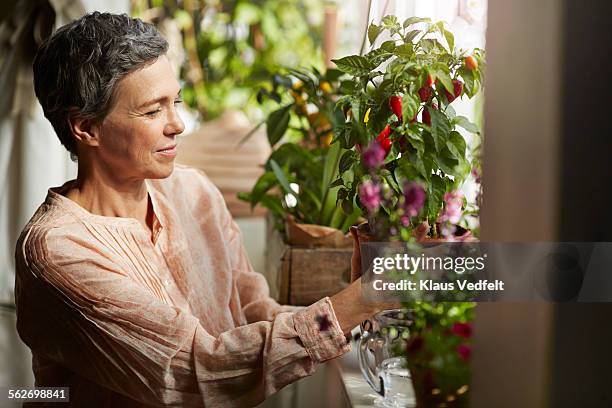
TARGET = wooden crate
x,y
300,275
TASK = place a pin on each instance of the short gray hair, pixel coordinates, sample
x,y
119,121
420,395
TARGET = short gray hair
x,y
77,69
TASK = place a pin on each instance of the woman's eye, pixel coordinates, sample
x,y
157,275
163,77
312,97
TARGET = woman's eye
x,y
153,112
176,102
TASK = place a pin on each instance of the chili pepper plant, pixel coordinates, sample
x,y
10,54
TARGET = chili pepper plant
x,y
405,157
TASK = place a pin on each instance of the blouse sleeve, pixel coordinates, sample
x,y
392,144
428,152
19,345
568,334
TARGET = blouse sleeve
x,y
252,287
78,309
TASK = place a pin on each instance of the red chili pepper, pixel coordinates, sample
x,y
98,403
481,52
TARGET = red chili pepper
x,y
430,80
427,115
425,93
457,89
384,140
395,102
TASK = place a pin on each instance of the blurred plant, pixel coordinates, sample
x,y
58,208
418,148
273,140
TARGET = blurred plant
x,y
405,159
438,352
300,170
233,46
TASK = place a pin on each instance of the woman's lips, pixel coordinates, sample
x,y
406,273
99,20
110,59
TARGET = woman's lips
x,y
168,151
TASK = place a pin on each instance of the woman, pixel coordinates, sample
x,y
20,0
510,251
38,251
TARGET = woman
x,y
133,287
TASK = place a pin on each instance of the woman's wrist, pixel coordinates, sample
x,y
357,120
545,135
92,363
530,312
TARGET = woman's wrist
x,y
350,309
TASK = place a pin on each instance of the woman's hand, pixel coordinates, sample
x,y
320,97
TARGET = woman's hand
x,y
351,308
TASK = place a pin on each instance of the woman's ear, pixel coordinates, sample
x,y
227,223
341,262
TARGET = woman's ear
x,y
85,131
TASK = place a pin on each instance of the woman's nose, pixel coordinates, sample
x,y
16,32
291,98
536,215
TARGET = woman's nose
x,y
175,125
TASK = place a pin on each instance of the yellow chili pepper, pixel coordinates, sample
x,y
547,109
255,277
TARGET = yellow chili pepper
x,y
325,87
327,139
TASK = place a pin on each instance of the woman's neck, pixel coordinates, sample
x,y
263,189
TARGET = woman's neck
x,y
112,197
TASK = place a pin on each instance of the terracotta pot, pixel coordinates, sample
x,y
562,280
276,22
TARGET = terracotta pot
x,y
360,233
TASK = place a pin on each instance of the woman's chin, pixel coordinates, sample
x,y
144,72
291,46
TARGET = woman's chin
x,y
161,171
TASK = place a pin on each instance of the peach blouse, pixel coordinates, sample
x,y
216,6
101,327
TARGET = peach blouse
x,y
179,318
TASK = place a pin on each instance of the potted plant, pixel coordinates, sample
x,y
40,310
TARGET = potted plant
x,y
405,163
295,186
299,171
405,158
438,353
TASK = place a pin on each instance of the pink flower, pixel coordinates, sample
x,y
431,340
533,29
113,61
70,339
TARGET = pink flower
x,y
464,351
414,198
374,156
462,329
369,195
447,230
452,208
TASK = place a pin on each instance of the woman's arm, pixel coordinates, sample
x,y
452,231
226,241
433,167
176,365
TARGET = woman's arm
x,y
79,310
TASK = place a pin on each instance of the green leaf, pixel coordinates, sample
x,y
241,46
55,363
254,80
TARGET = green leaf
x,y
445,78
411,35
415,140
410,107
346,161
378,56
447,163
404,51
282,178
414,20
354,65
351,219
348,207
390,23
328,191
466,124
450,39
410,168
440,128
431,45
388,46
468,81
435,193
274,204
277,123
456,145
337,183
333,75
294,156
263,184
373,32
450,112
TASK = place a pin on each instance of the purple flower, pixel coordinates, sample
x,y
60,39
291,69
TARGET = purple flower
x,y
462,329
369,195
452,208
414,198
464,351
374,156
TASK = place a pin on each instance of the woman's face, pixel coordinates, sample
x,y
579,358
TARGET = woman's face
x,y
137,138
